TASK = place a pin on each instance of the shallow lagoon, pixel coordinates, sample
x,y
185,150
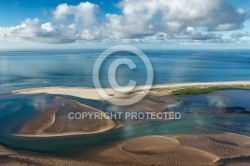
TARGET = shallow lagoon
x,y
201,114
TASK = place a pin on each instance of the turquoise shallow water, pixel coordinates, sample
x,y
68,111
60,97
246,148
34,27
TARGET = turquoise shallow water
x,y
200,114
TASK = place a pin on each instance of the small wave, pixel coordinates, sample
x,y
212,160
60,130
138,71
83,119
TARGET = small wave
x,y
21,84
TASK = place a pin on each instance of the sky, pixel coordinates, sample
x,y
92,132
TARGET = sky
x,y
79,24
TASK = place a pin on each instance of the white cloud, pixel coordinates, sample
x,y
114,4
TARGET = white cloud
x,y
195,34
140,19
33,30
84,12
190,33
146,17
47,27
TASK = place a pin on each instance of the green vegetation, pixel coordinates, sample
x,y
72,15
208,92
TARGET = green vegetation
x,y
199,90
193,90
112,94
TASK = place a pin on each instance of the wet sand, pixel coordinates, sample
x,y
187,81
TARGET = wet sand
x,y
211,149
207,149
53,120
147,106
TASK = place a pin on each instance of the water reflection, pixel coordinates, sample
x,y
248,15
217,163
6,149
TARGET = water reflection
x,y
74,67
200,114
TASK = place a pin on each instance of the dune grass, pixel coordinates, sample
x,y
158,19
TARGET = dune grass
x,y
199,90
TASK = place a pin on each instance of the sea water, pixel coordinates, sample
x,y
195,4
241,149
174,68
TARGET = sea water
x,y
40,68
28,69
200,115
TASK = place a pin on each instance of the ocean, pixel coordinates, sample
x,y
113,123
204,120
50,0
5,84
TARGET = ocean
x,y
40,68
28,69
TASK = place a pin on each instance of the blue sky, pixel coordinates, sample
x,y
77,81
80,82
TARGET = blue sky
x,y
93,23
18,10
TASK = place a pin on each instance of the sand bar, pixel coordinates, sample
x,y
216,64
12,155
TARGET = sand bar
x,y
53,121
207,149
91,93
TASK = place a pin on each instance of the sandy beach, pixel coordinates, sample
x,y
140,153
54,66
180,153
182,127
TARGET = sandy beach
x,y
91,93
50,124
125,83
219,148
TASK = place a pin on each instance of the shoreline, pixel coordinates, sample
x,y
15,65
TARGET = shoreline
x,y
159,149
91,93
110,124
197,149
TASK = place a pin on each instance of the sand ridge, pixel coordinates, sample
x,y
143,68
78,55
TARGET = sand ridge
x,y
206,149
91,93
53,121
193,150
211,149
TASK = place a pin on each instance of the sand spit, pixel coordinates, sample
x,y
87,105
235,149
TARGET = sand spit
x,y
208,149
91,93
53,121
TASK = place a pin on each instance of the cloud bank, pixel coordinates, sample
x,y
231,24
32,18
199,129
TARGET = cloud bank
x,y
193,20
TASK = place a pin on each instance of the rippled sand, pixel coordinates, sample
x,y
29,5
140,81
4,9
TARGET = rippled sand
x,y
213,149
207,149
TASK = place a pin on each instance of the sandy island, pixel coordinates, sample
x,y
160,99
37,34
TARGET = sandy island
x,y
91,93
53,121
207,149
